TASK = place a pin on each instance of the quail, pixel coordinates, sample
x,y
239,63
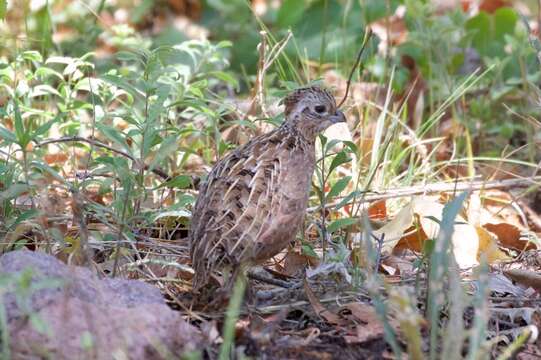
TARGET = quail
x,y
254,200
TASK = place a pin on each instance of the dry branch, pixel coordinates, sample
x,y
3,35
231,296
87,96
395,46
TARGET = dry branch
x,y
162,174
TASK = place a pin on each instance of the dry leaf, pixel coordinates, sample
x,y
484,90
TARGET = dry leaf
x,y
391,30
489,247
420,220
465,239
377,210
295,262
509,236
414,238
400,265
501,284
525,277
320,310
393,231
372,328
57,158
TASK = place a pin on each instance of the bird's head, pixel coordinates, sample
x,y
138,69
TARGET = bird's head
x,y
311,110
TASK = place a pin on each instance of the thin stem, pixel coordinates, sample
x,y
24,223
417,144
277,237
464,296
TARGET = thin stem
x,y
323,204
121,230
157,171
367,36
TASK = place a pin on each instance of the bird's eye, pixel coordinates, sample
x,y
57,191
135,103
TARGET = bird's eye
x,y
320,109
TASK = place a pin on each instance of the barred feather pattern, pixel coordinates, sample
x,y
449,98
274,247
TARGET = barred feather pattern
x,y
253,202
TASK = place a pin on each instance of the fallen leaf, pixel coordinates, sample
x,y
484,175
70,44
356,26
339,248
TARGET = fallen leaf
x,y
501,284
57,158
465,240
377,210
420,220
413,240
393,231
401,265
525,277
295,262
326,269
372,328
509,236
489,247
320,310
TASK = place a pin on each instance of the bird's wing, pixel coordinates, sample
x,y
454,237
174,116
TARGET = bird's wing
x,y
234,205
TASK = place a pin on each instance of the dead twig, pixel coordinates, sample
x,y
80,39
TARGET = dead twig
x,y
157,171
268,280
263,64
367,36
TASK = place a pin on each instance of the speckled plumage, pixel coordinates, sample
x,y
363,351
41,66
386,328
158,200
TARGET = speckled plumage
x,y
254,200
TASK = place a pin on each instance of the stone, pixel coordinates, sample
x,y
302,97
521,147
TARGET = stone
x,y
66,312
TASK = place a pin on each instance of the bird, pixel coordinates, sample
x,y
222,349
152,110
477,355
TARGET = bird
x,y
253,202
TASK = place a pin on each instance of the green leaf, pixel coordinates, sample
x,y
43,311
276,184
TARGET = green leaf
x,y
113,135
47,169
479,27
23,137
168,146
346,200
308,250
43,72
488,32
26,215
339,186
351,145
44,89
124,85
3,9
7,135
341,223
31,55
178,182
505,20
338,160
45,127
290,12
13,191
228,78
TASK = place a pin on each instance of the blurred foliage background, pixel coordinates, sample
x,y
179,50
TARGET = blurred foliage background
x,y
113,111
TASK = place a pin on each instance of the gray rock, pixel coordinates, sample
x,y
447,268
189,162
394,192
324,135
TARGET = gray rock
x,y
67,312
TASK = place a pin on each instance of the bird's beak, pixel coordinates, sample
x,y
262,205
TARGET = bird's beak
x,y
338,117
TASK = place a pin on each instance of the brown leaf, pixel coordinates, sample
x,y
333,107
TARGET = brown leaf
x,y
392,231
525,277
509,236
395,265
413,240
419,220
372,328
489,247
320,310
391,30
57,158
377,210
491,6
295,262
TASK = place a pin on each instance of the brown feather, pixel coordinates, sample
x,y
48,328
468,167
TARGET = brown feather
x,y
254,200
